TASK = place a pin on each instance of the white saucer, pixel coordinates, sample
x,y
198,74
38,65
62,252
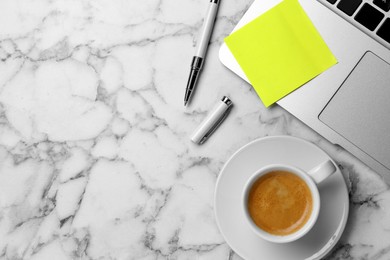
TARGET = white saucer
x,y
286,150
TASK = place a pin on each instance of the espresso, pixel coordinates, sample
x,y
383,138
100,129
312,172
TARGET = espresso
x,y
280,203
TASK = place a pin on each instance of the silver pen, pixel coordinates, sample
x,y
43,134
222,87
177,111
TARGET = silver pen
x,y
212,121
204,39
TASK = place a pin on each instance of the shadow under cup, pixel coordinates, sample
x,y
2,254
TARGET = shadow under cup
x,y
281,171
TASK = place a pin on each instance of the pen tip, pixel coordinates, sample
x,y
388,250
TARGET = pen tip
x,y
185,102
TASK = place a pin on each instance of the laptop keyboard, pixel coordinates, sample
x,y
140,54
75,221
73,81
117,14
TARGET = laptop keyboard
x,y
372,16
369,17
383,4
349,6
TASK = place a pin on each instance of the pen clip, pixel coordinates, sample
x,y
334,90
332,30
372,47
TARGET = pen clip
x,y
215,126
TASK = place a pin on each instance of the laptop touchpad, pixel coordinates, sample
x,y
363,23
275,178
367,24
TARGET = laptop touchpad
x,y
360,109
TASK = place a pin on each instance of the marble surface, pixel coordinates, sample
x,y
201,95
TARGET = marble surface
x,y
95,156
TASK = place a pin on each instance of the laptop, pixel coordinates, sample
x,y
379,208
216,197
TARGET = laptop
x,y
348,104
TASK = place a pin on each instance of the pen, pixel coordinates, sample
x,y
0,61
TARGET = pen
x,y
212,121
198,59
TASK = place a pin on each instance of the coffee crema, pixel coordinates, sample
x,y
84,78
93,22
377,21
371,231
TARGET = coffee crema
x,y
280,203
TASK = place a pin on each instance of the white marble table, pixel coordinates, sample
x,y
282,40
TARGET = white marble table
x,y
95,156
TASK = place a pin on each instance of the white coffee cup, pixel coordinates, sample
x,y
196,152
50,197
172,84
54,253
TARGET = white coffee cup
x,y
312,178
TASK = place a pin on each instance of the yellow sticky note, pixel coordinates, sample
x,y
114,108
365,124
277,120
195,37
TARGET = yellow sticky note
x,y
280,51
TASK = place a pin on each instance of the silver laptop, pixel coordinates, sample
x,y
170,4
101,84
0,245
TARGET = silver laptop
x,y
349,104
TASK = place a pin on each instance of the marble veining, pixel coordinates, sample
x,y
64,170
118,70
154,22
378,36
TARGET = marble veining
x,y
95,156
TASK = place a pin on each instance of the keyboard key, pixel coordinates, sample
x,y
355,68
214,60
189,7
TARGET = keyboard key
x,y
349,6
369,17
384,30
332,1
383,4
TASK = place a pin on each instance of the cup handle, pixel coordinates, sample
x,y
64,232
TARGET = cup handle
x,y
322,171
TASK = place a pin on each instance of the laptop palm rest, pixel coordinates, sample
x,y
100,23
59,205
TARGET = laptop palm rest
x,y
360,109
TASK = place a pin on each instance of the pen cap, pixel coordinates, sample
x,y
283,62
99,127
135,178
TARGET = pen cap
x,y
212,121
